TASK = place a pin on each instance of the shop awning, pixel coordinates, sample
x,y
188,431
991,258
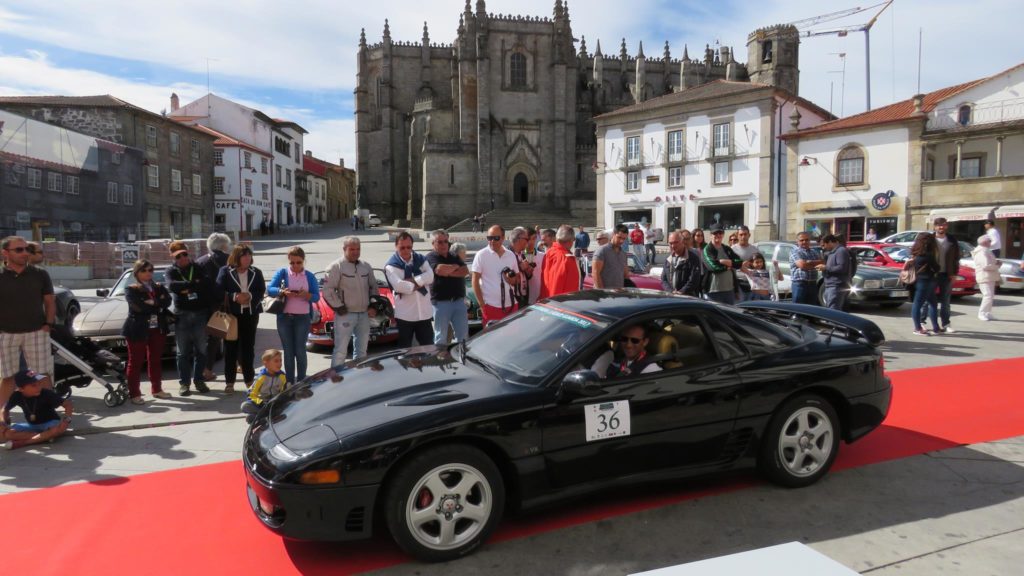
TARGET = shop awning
x,y
1014,211
965,214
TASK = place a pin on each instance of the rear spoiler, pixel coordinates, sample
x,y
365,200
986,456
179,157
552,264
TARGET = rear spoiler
x,y
854,326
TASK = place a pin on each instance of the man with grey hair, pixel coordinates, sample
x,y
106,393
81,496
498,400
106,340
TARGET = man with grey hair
x,y
347,289
560,272
448,292
211,263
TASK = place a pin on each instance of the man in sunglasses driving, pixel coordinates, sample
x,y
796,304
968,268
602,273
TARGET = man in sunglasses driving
x,y
629,358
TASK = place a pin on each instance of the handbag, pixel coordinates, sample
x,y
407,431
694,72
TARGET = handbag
x,y
223,325
275,304
908,275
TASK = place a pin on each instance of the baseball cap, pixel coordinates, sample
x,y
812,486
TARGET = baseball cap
x,y
26,377
716,228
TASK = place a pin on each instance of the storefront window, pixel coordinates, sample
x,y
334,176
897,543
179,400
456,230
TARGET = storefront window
x,y
726,215
883,226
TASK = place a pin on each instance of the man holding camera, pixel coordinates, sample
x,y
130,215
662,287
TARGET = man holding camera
x,y
347,289
495,270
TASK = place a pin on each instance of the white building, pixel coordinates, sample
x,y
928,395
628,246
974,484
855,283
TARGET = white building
x,y
957,152
315,171
279,140
706,155
241,185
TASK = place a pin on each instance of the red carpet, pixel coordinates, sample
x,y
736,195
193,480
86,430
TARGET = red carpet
x,y
198,518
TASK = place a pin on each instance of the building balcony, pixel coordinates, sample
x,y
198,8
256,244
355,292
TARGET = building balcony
x,y
968,191
953,118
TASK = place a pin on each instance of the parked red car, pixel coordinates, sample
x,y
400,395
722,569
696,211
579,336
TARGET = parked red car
x,y
383,327
894,255
637,275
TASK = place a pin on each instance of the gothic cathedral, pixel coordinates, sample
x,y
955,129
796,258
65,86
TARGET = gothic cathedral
x,y
503,117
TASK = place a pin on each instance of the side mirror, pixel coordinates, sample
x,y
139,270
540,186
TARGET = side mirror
x,y
103,292
581,383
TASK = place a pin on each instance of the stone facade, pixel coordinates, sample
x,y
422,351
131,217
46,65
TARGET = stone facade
x,y
176,158
503,116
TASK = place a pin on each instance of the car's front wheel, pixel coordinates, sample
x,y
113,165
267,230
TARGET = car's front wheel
x,y
801,442
444,502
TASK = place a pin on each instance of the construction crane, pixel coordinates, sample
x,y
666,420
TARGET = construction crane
x,y
845,30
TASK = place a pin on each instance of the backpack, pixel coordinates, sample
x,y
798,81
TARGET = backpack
x,y
908,275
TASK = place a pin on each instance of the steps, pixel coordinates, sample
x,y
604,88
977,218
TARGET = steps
x,y
528,217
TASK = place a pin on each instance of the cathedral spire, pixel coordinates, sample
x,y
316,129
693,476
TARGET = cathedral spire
x,y
387,30
686,54
668,53
622,50
558,12
597,51
426,35
640,53
583,46
362,38
481,8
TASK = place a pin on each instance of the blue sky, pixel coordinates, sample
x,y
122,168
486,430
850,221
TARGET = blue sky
x,y
297,59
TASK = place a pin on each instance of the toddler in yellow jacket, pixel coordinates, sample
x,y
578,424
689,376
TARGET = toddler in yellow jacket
x,y
270,381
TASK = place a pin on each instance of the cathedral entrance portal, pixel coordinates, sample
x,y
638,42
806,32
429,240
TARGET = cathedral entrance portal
x,y
521,188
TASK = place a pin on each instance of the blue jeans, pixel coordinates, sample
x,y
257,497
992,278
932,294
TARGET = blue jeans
x,y
190,338
293,329
805,292
945,285
353,326
835,297
41,427
753,297
924,295
450,312
641,254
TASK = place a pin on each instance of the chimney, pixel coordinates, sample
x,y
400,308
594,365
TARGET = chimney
x,y
918,100
174,102
309,153
341,162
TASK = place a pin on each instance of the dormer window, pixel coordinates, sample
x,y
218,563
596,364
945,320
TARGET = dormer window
x,y
963,115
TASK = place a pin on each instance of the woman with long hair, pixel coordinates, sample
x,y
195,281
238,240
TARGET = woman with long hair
x,y
926,265
145,330
243,288
300,289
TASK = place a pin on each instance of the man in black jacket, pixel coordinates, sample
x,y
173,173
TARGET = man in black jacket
x,y
682,271
949,266
837,271
211,263
190,289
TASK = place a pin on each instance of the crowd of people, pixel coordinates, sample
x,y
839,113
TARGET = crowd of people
x,y
512,271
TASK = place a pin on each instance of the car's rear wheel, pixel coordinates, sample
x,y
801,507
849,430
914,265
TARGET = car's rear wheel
x,y
801,442
69,316
444,502
891,304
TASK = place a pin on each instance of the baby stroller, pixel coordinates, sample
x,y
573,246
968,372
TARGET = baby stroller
x,y
77,361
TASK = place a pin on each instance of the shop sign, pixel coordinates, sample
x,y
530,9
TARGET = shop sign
x,y
882,201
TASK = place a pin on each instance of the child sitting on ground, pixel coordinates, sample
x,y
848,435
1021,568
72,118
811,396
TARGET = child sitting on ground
x,y
40,407
270,381
760,280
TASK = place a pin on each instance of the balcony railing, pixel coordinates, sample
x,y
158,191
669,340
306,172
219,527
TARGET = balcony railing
x,y
992,113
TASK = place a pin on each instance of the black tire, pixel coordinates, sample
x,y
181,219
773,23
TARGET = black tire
x,y
111,399
795,452
69,316
447,467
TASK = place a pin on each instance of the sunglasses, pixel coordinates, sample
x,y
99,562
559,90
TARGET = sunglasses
x,y
18,250
630,339
493,238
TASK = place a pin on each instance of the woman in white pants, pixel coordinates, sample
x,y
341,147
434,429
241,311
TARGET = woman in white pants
x,y
986,271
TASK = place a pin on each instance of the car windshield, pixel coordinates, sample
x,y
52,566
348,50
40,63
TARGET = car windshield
x,y
127,279
897,253
528,347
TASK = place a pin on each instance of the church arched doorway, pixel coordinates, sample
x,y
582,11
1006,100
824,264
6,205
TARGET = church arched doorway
x,y
520,188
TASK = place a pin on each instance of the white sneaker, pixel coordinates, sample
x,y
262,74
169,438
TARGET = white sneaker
x,y
922,333
948,329
985,318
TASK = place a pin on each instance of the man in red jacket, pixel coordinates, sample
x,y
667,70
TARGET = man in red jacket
x,y
560,273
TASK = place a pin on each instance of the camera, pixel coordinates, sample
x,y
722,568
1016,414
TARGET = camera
x,y
508,272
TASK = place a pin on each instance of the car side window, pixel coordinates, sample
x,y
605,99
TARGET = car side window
x,y
724,341
759,335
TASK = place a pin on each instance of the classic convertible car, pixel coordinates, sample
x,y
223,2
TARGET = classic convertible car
x,y
440,443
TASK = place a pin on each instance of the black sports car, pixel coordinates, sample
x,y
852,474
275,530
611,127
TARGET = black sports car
x,y
440,443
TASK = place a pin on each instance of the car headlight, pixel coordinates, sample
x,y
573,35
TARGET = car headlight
x,y
872,284
281,453
78,322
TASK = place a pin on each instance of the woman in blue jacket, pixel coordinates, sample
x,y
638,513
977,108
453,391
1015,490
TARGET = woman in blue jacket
x,y
300,289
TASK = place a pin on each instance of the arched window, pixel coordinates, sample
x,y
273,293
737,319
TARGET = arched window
x,y
517,70
850,166
963,115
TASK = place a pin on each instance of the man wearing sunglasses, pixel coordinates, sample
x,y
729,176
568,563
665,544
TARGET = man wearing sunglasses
x,y
495,270
630,357
191,290
27,311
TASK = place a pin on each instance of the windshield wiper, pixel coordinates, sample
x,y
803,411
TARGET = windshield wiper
x,y
487,367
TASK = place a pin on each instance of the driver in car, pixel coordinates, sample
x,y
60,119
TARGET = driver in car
x,y
629,358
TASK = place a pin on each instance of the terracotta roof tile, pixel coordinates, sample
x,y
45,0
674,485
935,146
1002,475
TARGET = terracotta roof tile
x,y
897,112
222,139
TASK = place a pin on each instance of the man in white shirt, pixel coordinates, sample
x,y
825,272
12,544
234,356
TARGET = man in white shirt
x,y
495,270
409,274
993,234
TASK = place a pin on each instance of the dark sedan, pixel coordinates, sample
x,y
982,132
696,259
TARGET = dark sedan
x,y
441,443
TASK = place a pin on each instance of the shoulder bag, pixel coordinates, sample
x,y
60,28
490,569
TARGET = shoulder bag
x,y
275,305
908,275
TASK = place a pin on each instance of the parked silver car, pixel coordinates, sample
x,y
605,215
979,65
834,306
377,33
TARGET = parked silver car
x,y
1011,270
102,323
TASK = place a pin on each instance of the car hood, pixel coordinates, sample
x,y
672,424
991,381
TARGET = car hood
x,y
106,318
390,395
876,272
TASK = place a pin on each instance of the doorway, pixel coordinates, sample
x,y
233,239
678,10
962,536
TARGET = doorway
x,y
521,188
851,229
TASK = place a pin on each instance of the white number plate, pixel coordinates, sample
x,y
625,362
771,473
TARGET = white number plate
x,y
899,293
607,420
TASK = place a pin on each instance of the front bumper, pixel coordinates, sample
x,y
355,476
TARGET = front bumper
x,y
336,513
879,294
